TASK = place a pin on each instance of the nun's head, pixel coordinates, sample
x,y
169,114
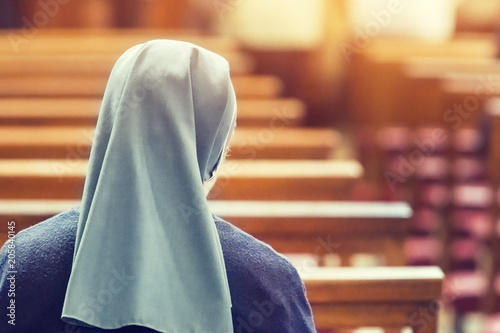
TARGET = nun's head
x,y
181,99
167,114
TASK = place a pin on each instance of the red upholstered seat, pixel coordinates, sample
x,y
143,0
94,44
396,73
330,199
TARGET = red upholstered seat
x,y
492,324
468,141
432,168
424,139
426,221
434,195
465,290
469,169
394,139
423,251
471,222
465,254
473,195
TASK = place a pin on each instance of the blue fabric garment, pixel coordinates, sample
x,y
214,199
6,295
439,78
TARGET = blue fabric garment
x,y
168,111
266,291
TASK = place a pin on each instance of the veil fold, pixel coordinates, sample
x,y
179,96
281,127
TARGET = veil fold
x,y
147,252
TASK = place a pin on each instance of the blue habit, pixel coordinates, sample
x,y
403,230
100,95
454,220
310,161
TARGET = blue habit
x,y
267,294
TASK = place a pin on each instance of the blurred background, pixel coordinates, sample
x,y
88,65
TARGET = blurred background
x,y
410,86
310,44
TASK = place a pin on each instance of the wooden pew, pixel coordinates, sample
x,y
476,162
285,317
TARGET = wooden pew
x,y
435,92
323,228
26,213
247,143
83,111
317,228
100,65
388,297
429,89
492,116
377,77
238,180
102,41
3,238
262,86
469,92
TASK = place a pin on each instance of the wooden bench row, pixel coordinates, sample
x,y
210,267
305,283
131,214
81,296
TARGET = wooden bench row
x,y
82,65
246,86
238,179
432,89
388,297
340,297
398,81
319,228
42,111
247,143
112,41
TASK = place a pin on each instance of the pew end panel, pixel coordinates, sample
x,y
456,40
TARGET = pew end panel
x,y
390,297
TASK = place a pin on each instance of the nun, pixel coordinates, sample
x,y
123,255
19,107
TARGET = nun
x,y
143,253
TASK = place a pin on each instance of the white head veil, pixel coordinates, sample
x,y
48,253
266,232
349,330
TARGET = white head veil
x,y
147,251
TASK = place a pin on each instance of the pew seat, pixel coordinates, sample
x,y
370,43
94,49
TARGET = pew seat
x,y
430,96
323,228
378,94
262,86
472,93
287,112
98,65
101,41
238,179
318,228
247,143
388,297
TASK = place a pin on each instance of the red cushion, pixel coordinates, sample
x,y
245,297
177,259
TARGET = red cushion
x,y
423,251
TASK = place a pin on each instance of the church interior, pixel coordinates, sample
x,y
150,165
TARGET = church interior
x,y
367,147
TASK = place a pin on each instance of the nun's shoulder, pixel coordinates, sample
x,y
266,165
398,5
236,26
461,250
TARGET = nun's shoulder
x,y
46,246
262,283
253,259
53,234
254,265
43,254
240,247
